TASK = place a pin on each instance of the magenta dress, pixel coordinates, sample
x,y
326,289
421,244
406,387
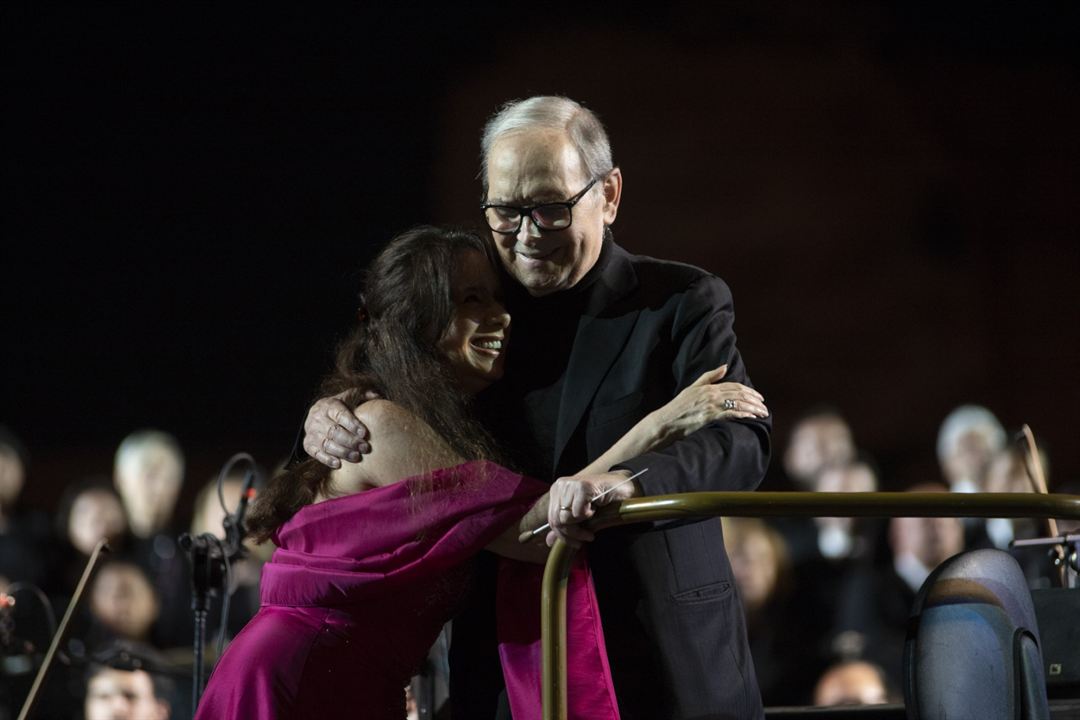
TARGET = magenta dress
x,y
360,587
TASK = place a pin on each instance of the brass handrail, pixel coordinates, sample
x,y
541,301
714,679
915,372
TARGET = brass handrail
x,y
759,504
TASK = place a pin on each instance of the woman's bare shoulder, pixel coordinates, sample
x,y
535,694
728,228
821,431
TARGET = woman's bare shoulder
x,y
402,445
386,415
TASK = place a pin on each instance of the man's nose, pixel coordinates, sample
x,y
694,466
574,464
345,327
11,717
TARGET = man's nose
x,y
528,232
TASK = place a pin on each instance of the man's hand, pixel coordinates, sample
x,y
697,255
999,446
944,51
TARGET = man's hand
x,y
332,432
573,500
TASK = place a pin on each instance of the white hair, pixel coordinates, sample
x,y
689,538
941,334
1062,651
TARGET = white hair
x,y
968,418
136,444
551,112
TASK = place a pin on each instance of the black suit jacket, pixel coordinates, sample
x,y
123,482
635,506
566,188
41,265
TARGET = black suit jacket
x,y
673,623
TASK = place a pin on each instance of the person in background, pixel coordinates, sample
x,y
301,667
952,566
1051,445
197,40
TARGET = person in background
x,y
967,442
875,601
853,682
826,551
784,653
122,603
819,439
127,681
968,439
25,550
90,511
844,538
148,473
12,477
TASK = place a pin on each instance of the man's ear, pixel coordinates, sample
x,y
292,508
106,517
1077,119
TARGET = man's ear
x,y
612,194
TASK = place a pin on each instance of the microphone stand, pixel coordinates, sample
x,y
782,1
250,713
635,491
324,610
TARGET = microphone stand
x,y
211,561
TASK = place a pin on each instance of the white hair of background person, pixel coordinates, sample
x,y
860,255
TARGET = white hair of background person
x,y
134,445
148,488
961,421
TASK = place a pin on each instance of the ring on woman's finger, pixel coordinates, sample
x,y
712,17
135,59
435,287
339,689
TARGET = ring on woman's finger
x,y
729,404
567,508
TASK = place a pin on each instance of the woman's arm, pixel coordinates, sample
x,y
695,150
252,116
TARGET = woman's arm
x,y
535,549
705,401
692,409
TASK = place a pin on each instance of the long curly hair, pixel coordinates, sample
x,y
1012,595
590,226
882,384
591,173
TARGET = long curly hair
x,y
405,308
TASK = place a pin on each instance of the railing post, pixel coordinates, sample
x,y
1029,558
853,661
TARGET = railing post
x,y
553,630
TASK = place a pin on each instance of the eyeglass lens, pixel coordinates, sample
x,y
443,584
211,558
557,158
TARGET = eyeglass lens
x,y
547,217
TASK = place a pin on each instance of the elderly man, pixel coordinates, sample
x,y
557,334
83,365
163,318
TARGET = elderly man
x,y
603,338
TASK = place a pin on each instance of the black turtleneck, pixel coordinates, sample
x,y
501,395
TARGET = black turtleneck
x,y
542,336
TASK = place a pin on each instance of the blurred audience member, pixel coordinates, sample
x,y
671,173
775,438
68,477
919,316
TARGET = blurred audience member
x,y
920,544
829,549
127,682
819,439
759,561
968,440
784,661
123,695
148,472
845,538
875,601
90,511
12,475
123,602
24,546
852,683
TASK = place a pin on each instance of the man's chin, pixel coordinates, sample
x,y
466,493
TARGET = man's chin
x,y
540,282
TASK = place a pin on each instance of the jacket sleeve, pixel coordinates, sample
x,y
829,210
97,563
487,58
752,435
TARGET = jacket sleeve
x,y
725,455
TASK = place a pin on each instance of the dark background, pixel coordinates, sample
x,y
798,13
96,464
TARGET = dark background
x,y
891,190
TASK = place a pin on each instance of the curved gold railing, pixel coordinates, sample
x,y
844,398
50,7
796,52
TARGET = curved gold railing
x,y
763,504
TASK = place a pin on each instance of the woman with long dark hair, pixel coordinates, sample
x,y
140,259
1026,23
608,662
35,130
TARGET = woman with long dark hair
x,y
374,557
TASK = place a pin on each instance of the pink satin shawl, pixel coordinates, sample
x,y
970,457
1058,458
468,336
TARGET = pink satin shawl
x,y
341,551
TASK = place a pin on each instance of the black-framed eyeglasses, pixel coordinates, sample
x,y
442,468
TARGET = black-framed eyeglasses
x,y
506,219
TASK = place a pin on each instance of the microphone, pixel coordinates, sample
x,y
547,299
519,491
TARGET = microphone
x,y
234,522
247,492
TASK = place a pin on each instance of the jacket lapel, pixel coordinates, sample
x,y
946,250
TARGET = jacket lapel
x,y
602,332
